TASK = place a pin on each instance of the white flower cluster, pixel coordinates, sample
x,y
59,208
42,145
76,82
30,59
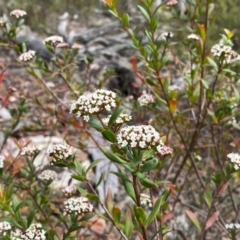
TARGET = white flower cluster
x,y
77,206
146,99
141,137
18,13
34,232
48,175
164,150
60,153
173,87
92,103
30,150
193,36
224,49
2,159
4,227
232,226
145,200
27,56
235,159
69,190
53,40
172,2
121,119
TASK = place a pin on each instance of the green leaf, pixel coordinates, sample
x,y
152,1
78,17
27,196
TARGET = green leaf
x,y
93,197
111,156
116,213
93,164
109,135
201,31
78,166
149,165
95,123
236,93
79,178
193,218
128,226
140,215
87,216
212,63
145,181
148,153
208,197
114,116
154,211
144,13
129,189
125,20
204,83
30,217
100,180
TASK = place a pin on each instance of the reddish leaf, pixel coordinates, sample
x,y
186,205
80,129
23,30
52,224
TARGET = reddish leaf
x,y
134,64
212,220
167,217
5,101
193,218
76,124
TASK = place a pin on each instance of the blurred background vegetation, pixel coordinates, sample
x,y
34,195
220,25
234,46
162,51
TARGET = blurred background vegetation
x,y
43,14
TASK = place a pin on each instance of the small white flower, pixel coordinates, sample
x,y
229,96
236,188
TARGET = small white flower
x,y
172,2
2,159
27,56
31,150
48,175
4,227
18,13
173,87
224,49
146,99
77,206
53,40
34,232
235,159
193,36
232,226
141,137
164,150
145,200
93,103
69,190
59,153
122,118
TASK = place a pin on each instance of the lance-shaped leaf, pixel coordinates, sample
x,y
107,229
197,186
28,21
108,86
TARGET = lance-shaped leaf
x,y
208,197
140,215
211,220
114,116
116,213
144,13
149,165
109,200
128,225
154,211
113,157
193,218
145,181
95,123
109,135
